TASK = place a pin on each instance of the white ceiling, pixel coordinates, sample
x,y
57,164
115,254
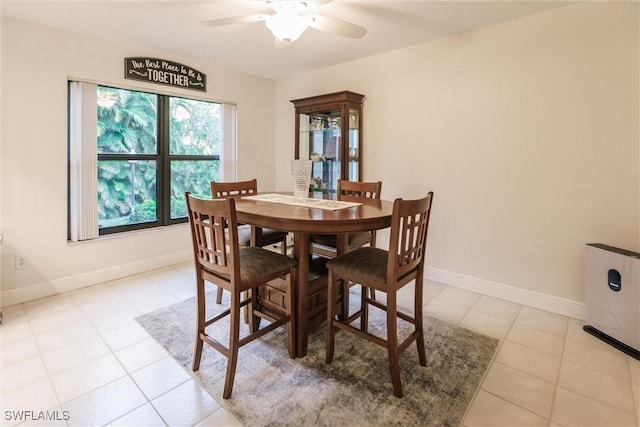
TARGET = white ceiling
x,y
174,27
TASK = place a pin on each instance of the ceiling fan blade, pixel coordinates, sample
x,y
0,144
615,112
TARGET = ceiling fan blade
x,y
235,20
337,26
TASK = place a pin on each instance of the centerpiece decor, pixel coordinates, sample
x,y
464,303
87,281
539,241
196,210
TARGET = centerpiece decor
x,y
301,174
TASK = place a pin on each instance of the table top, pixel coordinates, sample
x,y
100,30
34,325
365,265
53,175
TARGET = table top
x,y
370,215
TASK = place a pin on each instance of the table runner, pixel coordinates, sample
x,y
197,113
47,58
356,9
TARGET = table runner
x,y
284,199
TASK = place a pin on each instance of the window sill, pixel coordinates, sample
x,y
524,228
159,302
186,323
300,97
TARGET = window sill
x,y
125,234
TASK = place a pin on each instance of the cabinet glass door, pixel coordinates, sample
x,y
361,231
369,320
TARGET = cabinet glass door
x,y
354,145
320,135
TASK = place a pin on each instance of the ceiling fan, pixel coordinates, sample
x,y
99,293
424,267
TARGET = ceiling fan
x,y
292,18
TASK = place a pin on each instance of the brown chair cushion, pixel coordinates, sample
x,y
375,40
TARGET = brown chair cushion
x,y
257,262
268,235
365,263
359,238
355,239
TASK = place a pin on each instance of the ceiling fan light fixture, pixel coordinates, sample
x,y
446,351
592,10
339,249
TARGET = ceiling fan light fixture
x,y
287,25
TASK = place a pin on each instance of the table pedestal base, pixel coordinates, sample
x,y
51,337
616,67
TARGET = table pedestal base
x,y
272,298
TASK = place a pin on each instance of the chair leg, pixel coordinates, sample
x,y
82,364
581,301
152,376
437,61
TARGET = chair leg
x,y
364,308
245,294
200,313
252,320
372,243
234,339
392,343
419,321
197,354
330,308
291,325
344,314
219,295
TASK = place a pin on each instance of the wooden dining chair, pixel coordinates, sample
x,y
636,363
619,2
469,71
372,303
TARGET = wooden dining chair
x,y
220,260
386,271
248,234
331,245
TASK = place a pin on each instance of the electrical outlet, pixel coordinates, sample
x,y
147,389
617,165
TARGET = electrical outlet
x,y
20,262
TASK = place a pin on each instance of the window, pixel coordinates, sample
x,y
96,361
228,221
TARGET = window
x,y
149,149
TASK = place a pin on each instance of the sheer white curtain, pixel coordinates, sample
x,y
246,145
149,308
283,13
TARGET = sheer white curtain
x,y
228,151
83,161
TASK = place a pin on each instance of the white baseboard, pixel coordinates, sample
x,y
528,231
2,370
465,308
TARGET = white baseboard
x,y
524,297
565,307
71,283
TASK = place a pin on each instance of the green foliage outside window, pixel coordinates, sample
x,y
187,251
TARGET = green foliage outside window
x,y
129,151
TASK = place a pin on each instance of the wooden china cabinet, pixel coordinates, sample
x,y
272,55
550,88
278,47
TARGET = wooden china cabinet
x,y
329,132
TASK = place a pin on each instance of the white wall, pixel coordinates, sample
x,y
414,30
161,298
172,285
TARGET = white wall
x,y
36,64
527,132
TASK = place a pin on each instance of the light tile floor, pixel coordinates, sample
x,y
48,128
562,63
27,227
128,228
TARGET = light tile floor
x,y
82,354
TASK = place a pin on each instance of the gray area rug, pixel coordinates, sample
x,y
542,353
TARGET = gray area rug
x,y
270,389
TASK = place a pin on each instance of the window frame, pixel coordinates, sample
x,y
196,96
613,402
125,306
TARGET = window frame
x,y
162,157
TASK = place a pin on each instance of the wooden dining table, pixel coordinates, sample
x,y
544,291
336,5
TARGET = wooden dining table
x,y
310,281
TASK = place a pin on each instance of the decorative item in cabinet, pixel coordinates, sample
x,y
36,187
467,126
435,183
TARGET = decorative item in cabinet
x,y
328,131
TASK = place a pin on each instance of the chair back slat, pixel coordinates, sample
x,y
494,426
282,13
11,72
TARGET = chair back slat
x,y
358,189
214,233
409,225
233,189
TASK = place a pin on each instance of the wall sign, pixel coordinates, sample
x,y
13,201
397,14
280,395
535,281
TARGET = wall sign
x,y
164,72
